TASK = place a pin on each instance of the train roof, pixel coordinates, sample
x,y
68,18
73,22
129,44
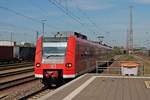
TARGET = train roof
x,y
62,37
67,34
54,39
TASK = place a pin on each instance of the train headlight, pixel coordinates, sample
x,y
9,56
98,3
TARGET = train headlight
x,y
38,65
68,65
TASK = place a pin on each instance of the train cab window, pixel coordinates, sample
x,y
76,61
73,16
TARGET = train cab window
x,y
54,49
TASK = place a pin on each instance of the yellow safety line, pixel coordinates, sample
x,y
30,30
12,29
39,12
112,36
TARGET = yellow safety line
x,y
147,83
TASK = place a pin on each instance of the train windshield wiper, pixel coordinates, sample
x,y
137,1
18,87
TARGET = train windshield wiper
x,y
49,56
53,56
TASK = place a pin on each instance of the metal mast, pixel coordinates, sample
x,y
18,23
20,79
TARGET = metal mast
x,y
130,33
127,40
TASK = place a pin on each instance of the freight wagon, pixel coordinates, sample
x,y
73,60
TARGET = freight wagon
x,y
16,53
27,53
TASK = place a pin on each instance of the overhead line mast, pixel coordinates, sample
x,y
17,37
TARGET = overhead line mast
x,y
130,33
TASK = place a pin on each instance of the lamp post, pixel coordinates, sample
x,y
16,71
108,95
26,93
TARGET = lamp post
x,y
11,37
43,24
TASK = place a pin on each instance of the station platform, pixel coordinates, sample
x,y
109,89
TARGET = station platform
x,y
98,87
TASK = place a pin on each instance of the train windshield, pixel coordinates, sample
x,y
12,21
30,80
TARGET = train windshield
x,y
54,49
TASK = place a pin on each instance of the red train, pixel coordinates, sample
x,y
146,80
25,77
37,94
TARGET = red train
x,y
58,58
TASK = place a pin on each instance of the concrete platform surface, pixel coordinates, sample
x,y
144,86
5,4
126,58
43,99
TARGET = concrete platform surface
x,y
94,87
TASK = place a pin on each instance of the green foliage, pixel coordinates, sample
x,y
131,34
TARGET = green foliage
x,y
117,51
127,57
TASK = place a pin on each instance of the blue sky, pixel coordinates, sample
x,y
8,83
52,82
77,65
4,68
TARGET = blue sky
x,y
110,16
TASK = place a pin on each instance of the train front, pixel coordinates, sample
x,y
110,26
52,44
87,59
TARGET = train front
x,y
54,59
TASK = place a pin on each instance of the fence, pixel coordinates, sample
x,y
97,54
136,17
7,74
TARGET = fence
x,y
115,68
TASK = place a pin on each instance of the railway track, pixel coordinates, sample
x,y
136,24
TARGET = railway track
x,y
26,91
14,66
12,83
16,71
11,64
40,92
16,75
37,94
20,90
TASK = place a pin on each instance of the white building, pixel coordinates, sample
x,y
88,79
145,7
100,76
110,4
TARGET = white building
x,y
129,68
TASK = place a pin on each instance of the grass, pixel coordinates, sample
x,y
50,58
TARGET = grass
x,y
127,58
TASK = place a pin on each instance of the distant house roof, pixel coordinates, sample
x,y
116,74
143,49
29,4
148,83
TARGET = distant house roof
x,y
130,64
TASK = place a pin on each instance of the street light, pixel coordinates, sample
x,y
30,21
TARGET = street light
x,y
43,23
